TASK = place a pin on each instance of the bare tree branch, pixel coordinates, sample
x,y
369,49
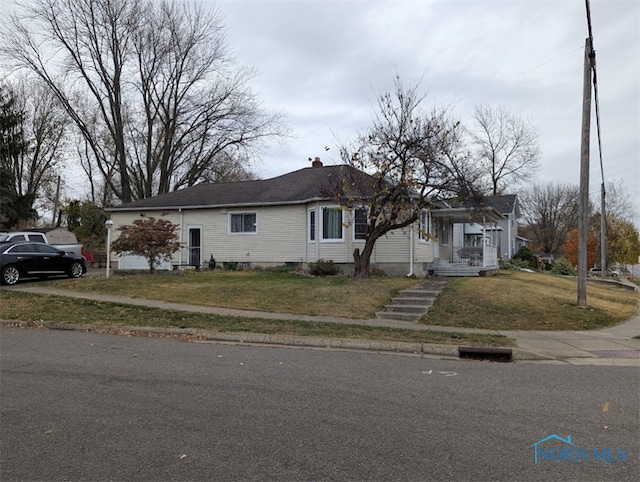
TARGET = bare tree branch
x,y
149,85
506,147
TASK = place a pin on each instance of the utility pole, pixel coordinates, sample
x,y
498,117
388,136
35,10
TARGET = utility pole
x,y
583,206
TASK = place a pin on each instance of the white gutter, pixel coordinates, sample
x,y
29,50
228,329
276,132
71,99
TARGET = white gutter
x,y
411,235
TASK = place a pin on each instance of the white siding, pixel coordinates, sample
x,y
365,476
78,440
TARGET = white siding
x,y
124,218
282,236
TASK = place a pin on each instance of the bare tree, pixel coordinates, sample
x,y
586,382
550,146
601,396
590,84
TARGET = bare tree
x,y
199,114
618,201
550,211
149,85
45,127
402,165
506,147
42,129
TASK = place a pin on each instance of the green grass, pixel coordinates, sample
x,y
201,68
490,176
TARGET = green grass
x,y
250,290
516,300
40,310
509,301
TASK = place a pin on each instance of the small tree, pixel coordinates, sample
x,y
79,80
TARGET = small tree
x,y
86,221
571,248
623,241
402,165
154,239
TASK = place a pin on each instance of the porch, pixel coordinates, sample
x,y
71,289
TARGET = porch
x,y
446,268
472,247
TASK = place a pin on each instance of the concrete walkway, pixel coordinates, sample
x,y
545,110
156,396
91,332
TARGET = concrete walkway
x,y
610,346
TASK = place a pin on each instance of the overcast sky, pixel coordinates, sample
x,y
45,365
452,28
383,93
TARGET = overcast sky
x,y
322,63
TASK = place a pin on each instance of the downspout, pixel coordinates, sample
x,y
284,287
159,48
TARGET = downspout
x,y
509,221
181,233
411,236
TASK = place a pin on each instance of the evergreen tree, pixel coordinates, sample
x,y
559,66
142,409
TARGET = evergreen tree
x,y
14,207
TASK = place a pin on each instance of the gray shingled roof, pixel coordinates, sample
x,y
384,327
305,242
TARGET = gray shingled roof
x,y
503,204
304,185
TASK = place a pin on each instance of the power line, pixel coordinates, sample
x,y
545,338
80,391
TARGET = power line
x,y
520,74
595,90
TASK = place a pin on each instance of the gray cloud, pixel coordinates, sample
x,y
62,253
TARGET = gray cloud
x,y
323,62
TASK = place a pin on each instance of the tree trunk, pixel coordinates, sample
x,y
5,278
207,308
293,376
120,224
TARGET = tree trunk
x,y
362,262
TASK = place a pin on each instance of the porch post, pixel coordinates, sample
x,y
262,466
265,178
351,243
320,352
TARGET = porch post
x,y
484,242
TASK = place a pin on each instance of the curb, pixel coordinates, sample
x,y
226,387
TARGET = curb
x,y
450,351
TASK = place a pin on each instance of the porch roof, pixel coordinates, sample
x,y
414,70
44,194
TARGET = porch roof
x,y
467,215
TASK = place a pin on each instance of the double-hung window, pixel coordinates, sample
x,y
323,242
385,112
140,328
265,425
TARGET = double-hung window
x,y
425,226
312,225
359,224
243,223
332,229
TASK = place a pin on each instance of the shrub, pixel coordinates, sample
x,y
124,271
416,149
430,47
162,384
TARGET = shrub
x,y
524,258
230,265
281,269
323,267
563,266
519,263
377,271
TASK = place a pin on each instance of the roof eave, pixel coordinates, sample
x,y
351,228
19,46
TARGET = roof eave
x,y
215,206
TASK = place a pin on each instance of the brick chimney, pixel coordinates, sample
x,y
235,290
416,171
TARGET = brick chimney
x,y
316,162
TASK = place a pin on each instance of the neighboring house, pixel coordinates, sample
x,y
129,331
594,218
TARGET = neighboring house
x,y
289,219
502,231
546,258
520,242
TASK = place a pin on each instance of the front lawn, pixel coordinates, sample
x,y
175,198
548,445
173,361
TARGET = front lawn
x,y
32,310
254,290
517,300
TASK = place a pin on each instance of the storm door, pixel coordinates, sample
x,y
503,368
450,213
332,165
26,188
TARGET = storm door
x,y
194,249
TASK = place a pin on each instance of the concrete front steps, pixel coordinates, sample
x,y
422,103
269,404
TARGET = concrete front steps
x,y
413,303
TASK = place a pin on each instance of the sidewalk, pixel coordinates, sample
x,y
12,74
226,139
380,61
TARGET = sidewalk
x,y
610,346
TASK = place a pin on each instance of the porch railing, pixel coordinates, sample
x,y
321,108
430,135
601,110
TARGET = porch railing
x,y
490,255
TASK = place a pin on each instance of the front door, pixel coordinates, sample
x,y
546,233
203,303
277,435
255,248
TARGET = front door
x,y
194,249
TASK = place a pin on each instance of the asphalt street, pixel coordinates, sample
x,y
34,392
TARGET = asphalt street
x,y
83,406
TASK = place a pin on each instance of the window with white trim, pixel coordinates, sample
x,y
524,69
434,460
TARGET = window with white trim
x,y
312,225
425,226
360,222
332,229
243,223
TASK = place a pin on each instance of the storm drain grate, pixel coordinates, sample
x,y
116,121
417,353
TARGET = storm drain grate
x,y
617,353
487,353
